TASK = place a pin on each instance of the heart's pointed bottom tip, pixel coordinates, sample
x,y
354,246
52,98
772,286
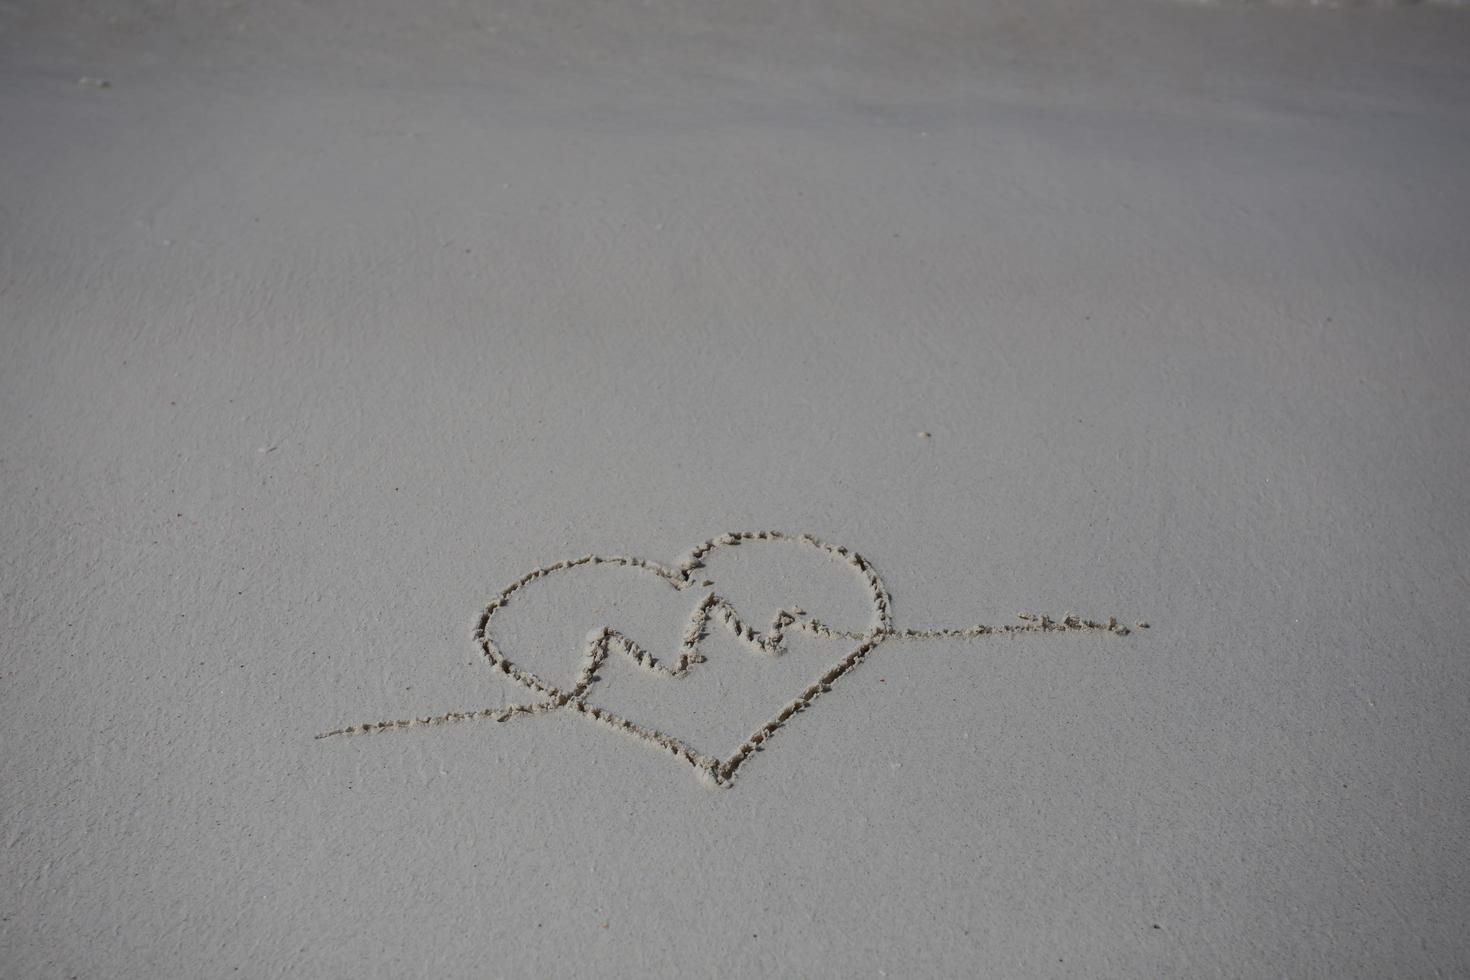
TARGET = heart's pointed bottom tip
x,y
712,778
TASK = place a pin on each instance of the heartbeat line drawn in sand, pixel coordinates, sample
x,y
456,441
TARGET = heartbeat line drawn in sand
x,y
607,641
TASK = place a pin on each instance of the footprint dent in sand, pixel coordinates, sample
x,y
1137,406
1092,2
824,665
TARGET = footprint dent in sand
x,y
713,611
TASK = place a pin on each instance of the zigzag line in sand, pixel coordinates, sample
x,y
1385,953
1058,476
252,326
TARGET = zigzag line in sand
x,y
607,641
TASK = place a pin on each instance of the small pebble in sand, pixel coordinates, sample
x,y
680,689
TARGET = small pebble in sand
x,y
86,81
925,435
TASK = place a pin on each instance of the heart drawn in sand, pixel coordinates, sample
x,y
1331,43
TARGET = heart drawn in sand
x,y
712,611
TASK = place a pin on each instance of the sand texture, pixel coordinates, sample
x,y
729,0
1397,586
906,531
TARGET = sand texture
x,y
693,489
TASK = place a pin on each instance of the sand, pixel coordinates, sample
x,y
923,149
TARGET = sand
x,y
323,324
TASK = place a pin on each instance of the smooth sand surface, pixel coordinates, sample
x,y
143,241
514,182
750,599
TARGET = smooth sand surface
x,y
322,323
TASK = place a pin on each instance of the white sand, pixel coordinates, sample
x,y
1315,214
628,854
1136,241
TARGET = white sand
x,y
322,322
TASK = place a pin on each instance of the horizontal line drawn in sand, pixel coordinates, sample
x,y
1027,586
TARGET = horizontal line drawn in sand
x,y
607,641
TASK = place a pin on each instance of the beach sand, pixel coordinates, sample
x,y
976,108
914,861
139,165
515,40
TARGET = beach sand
x,y
323,323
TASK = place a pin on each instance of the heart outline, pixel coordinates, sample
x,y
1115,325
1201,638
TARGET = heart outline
x,y
719,772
